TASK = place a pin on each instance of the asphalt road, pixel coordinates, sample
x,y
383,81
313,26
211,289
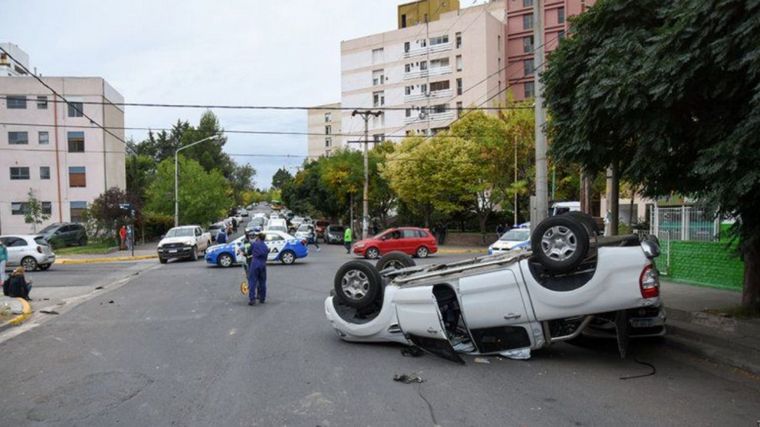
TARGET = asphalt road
x,y
179,346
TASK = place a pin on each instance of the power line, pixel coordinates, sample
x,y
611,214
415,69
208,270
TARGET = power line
x,y
61,96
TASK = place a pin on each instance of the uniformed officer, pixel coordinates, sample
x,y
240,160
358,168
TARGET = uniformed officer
x,y
257,270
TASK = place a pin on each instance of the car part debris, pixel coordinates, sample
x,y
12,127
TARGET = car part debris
x,y
110,301
412,352
408,378
517,354
99,287
49,312
482,360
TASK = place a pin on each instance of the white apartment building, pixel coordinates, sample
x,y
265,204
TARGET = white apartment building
x,y
323,126
425,73
51,148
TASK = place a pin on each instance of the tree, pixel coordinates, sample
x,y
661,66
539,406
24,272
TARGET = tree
x,y
242,181
107,212
280,178
140,170
33,213
203,196
670,92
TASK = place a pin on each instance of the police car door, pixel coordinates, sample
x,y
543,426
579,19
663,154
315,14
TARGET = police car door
x,y
275,242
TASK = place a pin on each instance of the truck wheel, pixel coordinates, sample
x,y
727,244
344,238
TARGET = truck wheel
x,y
395,260
357,284
194,256
162,260
560,243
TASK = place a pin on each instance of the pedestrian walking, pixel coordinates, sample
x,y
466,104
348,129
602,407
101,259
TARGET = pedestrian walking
x,y
130,238
499,230
312,237
257,270
17,286
3,261
221,237
123,236
347,238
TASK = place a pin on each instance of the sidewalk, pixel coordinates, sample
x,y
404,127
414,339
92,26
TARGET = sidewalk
x,y
141,252
696,325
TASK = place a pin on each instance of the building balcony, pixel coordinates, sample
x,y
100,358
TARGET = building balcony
x,y
433,95
434,117
438,71
443,47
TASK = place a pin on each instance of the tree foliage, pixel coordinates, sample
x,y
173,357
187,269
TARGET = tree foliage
x,y
33,213
670,92
280,178
204,196
107,213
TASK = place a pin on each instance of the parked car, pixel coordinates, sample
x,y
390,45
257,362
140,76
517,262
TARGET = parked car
x,y
515,238
29,251
513,303
256,223
187,241
409,240
276,224
334,233
61,234
304,233
282,247
215,228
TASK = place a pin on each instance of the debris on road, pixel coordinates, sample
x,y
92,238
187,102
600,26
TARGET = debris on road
x,y
482,360
408,378
110,301
518,354
99,287
49,312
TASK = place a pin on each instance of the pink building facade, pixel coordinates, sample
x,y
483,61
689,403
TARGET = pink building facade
x,y
519,40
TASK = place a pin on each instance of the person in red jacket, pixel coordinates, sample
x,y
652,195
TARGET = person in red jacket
x,y
123,235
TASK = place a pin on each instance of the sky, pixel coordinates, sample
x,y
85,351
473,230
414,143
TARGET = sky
x,y
283,52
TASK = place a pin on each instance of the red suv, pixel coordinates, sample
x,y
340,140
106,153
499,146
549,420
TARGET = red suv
x,y
410,240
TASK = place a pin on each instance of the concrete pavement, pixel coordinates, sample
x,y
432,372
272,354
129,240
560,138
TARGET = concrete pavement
x,y
179,346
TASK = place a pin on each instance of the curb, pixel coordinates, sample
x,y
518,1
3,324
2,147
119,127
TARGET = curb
x,y
461,251
26,312
101,260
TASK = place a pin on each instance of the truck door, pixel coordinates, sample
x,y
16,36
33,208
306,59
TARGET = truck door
x,y
420,320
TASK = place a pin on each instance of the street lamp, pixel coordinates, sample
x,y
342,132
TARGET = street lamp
x,y
176,176
365,205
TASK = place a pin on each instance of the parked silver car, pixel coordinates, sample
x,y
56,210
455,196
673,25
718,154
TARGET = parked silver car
x,y
30,251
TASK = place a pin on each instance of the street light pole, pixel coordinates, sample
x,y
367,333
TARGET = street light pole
x,y
176,176
365,203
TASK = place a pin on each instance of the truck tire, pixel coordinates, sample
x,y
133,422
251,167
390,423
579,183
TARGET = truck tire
x,y
560,243
357,284
396,260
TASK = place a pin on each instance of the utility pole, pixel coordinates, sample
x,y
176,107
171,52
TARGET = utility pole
x,y
515,185
427,73
542,185
365,203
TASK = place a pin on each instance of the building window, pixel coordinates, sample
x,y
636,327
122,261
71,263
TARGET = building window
x,y
439,40
47,208
527,3
407,68
442,85
527,22
19,172
498,42
459,86
76,210
42,102
528,67
458,38
459,63
44,172
76,142
328,129
459,108
378,99
18,138
76,109
377,56
408,112
378,77
407,47
438,109
19,208
77,176
328,117
43,138
403,21
15,102
528,44
328,142
529,89
408,90
561,15
439,63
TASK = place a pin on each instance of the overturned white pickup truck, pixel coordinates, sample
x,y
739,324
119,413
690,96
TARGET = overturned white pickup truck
x,y
570,283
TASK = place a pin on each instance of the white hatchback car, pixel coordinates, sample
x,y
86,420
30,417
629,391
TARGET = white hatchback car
x,y
29,251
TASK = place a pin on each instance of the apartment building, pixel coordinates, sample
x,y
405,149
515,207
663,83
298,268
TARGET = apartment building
x,y
323,125
53,149
424,75
520,41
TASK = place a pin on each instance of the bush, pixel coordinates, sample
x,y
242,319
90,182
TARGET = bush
x,y
156,224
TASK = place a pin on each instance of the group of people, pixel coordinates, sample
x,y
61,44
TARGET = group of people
x,y
16,285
